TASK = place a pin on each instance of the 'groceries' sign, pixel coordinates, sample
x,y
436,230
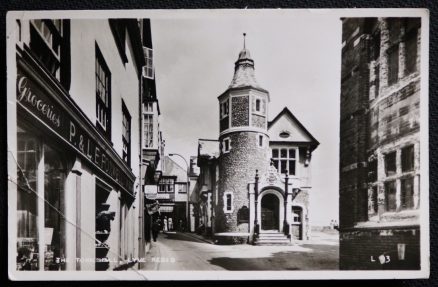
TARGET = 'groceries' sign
x,y
38,103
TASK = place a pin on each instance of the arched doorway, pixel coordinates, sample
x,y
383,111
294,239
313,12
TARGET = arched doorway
x,y
270,212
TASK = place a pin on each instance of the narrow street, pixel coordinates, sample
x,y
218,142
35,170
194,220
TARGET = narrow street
x,y
181,251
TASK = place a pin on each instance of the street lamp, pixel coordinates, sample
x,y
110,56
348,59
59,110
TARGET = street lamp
x,y
188,189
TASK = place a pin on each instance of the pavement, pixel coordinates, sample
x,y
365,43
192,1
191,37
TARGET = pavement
x,y
188,251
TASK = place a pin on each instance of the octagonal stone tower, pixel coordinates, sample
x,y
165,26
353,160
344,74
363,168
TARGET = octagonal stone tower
x,y
244,145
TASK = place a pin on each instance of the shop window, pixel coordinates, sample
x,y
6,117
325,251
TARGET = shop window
x,y
104,216
54,195
390,196
148,69
284,160
224,109
50,222
148,130
28,157
126,135
407,158
390,163
407,193
103,94
45,43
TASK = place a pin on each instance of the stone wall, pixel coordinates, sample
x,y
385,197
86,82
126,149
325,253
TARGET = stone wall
x,y
258,121
240,111
360,248
236,169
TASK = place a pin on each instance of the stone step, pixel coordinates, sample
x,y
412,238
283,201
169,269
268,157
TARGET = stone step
x,y
267,243
273,239
273,244
272,235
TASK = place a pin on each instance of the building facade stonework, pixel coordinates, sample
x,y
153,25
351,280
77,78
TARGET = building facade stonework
x,y
249,185
379,148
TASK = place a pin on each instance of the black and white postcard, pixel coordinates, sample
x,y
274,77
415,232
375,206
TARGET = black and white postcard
x,y
218,144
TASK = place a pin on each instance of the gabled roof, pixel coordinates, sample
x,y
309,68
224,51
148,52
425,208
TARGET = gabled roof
x,y
171,168
286,112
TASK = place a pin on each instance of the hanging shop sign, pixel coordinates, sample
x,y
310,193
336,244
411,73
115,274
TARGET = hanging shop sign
x,y
41,106
150,191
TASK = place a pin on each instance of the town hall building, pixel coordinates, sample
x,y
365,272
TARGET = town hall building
x,y
254,181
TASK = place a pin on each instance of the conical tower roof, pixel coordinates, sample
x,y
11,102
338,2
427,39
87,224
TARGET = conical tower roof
x,y
244,75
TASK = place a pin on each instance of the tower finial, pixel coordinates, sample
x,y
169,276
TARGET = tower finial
x,y
244,37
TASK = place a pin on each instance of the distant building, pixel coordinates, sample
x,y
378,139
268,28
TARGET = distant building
x,y
172,193
255,178
379,143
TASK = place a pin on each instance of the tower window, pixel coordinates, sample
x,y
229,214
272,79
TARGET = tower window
x,y
258,105
228,202
224,109
226,145
260,141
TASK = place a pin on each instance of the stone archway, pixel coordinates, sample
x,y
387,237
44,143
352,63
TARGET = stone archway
x,y
271,210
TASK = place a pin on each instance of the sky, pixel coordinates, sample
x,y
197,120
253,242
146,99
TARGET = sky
x,y
297,59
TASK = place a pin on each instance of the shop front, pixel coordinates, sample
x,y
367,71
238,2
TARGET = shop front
x,y
74,193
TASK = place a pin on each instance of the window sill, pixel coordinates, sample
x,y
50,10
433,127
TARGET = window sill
x,y
392,219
